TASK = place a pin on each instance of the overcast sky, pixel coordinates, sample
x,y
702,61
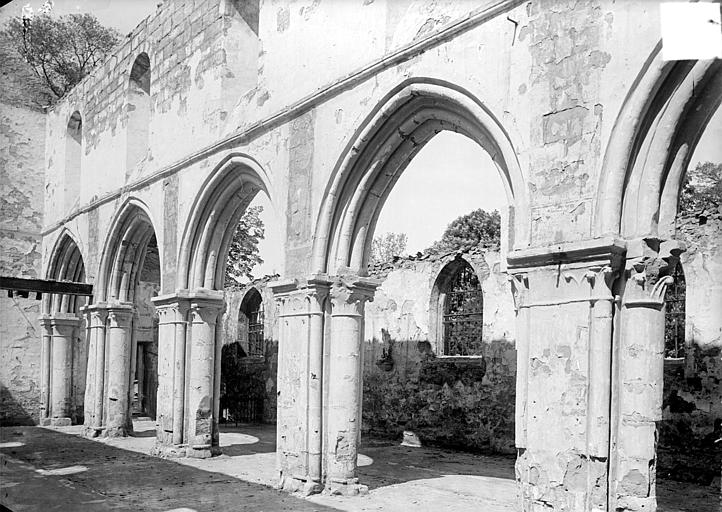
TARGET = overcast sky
x,y
451,176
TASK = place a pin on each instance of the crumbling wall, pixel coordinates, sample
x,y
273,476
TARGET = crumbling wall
x,y
461,402
692,414
22,131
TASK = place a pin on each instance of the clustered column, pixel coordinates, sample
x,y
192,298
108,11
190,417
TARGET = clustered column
x,y
564,300
108,386
300,305
60,332
188,373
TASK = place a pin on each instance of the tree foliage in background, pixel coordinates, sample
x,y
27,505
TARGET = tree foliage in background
x,y
477,228
702,188
388,245
61,50
243,254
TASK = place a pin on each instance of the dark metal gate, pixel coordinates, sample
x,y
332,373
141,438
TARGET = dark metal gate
x,y
463,314
675,298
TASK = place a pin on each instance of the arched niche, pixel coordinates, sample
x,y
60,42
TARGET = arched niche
x,y
403,122
73,157
138,111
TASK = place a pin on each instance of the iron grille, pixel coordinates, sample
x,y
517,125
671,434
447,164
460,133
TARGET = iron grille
x,y
255,331
675,298
463,315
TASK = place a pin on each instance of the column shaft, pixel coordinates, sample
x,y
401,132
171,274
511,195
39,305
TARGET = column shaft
x,y
64,328
119,422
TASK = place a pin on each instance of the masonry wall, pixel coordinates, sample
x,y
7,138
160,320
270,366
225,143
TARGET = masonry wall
x,y
22,140
459,402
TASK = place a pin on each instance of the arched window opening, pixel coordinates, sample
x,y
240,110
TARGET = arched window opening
x,y
138,110
73,152
463,314
250,324
674,319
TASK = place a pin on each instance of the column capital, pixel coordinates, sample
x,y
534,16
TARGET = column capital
x,y
650,261
205,305
95,313
171,308
572,254
349,293
301,295
120,314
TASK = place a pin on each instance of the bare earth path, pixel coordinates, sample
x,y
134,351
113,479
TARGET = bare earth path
x,y
55,469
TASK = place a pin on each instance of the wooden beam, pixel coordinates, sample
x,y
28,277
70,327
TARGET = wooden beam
x,y
23,286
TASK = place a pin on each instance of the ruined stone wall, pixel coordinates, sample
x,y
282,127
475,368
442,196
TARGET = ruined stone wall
x,y
693,386
461,402
22,139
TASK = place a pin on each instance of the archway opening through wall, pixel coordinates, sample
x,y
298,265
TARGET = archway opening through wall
x,y
690,429
439,357
64,350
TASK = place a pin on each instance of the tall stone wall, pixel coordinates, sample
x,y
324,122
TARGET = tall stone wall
x,y
461,402
22,147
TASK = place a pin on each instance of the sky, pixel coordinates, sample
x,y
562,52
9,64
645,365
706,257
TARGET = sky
x,y
450,176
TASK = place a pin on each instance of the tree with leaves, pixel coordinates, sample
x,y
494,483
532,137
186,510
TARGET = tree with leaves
x,y
702,188
243,254
477,228
388,245
60,50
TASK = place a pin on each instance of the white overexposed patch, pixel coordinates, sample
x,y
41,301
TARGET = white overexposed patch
x,y
363,460
691,30
231,438
11,444
70,470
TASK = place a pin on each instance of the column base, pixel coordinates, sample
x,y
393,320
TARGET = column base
x,y
92,432
301,486
169,451
202,452
56,422
117,432
344,487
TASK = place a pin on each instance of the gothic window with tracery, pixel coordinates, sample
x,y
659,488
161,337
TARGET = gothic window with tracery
x,y
251,322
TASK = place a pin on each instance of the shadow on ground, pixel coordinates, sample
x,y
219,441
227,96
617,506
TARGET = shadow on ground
x,y
48,470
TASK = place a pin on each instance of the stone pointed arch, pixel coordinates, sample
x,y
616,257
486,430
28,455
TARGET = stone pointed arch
x,y
66,263
393,133
223,198
654,136
124,252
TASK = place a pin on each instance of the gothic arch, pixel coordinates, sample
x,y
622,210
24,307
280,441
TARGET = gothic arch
x,y
223,198
66,264
124,252
655,134
395,131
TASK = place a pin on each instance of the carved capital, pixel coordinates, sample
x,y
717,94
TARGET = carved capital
x,y
601,280
299,296
349,294
120,316
171,309
95,315
649,265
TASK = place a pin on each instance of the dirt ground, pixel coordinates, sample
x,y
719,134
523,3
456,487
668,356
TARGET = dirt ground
x,y
55,469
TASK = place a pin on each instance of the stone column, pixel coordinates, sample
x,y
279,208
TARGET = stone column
x,y
300,306
564,300
64,328
343,405
201,420
639,379
96,317
172,311
120,324
45,357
